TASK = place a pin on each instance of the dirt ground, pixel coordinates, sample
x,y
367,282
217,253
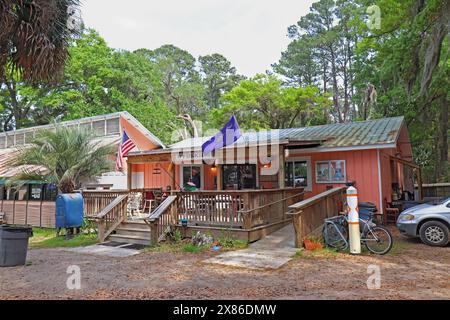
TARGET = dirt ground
x,y
412,271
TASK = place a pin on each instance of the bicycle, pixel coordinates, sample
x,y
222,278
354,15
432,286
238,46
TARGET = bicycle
x,y
376,239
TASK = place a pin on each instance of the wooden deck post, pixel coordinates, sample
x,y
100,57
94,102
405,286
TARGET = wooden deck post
x,y
129,175
247,218
281,171
298,229
172,177
219,177
101,230
154,233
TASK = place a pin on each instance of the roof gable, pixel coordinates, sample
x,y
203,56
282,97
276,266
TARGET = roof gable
x,y
107,126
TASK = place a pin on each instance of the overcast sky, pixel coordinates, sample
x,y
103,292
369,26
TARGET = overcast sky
x,y
250,33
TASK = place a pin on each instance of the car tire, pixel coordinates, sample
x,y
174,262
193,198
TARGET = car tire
x,y
434,233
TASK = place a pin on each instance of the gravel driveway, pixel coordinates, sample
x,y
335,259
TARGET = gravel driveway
x,y
414,272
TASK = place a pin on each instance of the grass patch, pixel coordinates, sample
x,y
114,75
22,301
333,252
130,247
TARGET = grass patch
x,y
46,238
185,245
189,247
180,246
324,253
232,244
327,253
398,247
164,247
298,254
41,234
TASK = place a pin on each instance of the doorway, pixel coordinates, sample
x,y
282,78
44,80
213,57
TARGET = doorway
x,y
239,177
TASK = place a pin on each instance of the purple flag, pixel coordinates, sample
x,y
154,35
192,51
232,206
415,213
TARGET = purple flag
x,y
228,135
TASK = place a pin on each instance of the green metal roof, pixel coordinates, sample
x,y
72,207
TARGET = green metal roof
x,y
379,132
3,181
373,132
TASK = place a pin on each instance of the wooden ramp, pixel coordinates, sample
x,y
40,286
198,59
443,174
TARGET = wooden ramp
x,y
272,252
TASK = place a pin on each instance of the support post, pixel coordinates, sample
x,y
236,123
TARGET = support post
x,y
219,177
247,216
101,229
172,177
353,221
129,175
154,233
298,230
281,171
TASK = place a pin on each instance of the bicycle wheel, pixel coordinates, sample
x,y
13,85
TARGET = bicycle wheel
x,y
378,240
335,236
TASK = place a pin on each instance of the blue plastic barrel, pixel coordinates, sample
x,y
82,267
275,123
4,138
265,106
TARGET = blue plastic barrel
x,y
69,210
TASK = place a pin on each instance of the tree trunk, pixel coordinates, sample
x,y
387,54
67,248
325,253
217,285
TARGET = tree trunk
x,y
442,143
335,87
66,186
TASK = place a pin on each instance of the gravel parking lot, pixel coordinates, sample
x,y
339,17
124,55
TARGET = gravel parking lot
x,y
412,271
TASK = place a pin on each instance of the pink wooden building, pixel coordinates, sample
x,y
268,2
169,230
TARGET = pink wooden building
x,y
375,155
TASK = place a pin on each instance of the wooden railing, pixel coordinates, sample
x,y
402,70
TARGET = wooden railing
x,y
309,214
164,216
211,208
237,209
269,208
96,201
112,216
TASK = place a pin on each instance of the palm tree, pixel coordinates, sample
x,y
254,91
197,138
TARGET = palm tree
x,y
34,35
65,156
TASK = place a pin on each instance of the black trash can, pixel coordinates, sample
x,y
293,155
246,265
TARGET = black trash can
x,y
14,245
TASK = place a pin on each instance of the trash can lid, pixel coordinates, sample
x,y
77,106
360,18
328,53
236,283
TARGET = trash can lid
x,y
15,227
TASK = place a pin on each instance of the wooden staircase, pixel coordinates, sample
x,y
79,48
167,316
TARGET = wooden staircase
x,y
135,232
113,224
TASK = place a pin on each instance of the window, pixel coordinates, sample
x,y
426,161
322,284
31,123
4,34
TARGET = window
x,y
50,192
298,173
239,177
193,174
35,192
330,171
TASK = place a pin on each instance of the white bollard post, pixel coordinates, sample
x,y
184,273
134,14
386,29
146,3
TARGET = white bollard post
x,y
353,221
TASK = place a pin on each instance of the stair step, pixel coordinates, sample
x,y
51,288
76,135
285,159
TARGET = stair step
x,y
135,225
121,227
128,239
133,232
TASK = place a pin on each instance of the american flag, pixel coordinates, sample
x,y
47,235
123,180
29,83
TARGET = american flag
x,y
126,146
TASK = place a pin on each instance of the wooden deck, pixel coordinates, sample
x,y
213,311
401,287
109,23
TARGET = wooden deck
x,y
248,215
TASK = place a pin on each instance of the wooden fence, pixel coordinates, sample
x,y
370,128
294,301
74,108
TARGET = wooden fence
x,y
42,213
309,214
34,213
434,191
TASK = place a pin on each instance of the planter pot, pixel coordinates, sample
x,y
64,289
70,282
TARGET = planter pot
x,y
309,245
